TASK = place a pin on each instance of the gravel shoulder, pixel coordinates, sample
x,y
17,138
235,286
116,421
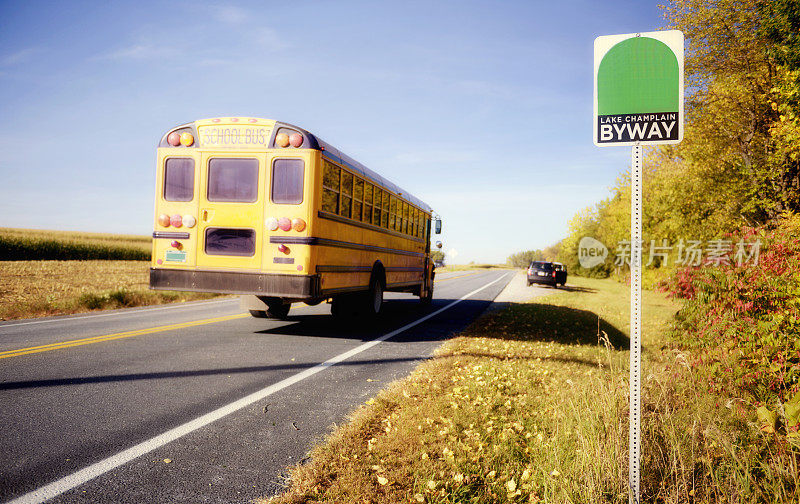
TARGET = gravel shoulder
x,y
517,291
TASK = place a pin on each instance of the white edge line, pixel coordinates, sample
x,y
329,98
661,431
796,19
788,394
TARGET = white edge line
x,y
126,312
71,481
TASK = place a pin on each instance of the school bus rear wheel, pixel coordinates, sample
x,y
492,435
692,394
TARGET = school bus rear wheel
x,y
278,310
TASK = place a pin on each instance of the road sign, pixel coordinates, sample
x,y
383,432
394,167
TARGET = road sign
x,y
638,89
638,100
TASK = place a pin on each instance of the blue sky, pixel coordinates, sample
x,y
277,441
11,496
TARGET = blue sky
x,y
481,109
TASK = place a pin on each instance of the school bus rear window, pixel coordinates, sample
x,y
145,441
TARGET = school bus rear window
x,y
232,242
287,181
179,179
233,180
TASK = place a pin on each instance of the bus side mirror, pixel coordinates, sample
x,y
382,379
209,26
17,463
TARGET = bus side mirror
x,y
438,226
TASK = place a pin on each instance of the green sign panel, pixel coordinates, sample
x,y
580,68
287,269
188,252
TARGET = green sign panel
x,y
638,89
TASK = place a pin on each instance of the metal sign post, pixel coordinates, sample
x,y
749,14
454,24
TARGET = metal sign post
x,y
634,432
638,100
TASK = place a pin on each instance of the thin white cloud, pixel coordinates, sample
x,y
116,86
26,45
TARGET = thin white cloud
x,y
230,14
20,56
140,52
269,39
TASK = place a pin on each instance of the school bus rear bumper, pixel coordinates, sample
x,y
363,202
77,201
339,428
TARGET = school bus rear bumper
x,y
232,282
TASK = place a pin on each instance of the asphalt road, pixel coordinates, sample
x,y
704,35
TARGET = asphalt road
x,y
91,407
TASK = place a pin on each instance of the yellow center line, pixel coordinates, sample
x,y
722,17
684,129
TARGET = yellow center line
x,y
114,336
140,332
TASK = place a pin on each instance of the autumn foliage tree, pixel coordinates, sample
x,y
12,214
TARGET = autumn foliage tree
x,y
739,162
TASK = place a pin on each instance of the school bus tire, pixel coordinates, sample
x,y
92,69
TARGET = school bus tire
x,y
428,297
258,313
373,301
278,310
344,305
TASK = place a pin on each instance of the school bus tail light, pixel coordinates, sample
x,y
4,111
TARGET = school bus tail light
x,y
271,223
163,220
189,221
298,224
176,221
285,224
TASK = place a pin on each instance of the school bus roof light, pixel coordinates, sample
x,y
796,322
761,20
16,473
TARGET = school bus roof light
x,y
282,140
163,220
187,139
296,139
174,139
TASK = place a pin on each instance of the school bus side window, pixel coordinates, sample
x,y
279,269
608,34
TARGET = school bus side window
x,y
385,211
392,212
367,202
358,198
179,179
330,188
347,194
287,181
376,210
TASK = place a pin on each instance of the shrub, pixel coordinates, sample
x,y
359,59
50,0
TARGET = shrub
x,y
745,318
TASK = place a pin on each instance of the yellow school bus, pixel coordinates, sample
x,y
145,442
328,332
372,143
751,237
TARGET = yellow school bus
x,y
268,210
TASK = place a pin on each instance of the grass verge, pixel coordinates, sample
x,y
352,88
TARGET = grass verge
x,y
40,288
529,404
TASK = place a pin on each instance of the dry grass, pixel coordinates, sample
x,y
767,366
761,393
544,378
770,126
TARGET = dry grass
x,y
38,288
530,405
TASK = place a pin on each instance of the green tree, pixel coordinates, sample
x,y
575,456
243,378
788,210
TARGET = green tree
x,y
523,259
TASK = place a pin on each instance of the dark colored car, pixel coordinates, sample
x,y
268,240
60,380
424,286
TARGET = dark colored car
x,y
561,273
543,272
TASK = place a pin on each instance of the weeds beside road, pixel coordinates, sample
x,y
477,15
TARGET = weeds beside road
x,y
530,405
40,288
62,272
